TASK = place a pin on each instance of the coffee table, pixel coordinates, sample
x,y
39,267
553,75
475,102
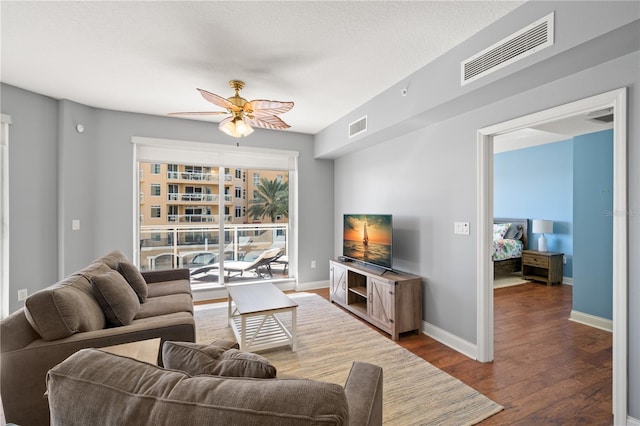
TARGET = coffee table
x,y
253,310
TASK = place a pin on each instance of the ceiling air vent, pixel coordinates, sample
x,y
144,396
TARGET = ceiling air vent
x,y
518,45
602,116
358,126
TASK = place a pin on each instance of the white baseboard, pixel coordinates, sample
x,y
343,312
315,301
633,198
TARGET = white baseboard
x,y
591,321
313,285
567,280
632,422
451,340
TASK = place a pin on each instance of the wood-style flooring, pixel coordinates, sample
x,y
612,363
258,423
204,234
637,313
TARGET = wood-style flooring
x,y
547,370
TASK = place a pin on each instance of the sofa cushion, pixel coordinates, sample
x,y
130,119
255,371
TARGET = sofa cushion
x,y
215,359
116,297
113,258
65,308
165,288
89,385
135,279
156,306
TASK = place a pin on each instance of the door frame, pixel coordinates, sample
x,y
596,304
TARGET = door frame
x,y
616,99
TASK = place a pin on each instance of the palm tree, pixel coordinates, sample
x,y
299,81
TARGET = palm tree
x,y
271,199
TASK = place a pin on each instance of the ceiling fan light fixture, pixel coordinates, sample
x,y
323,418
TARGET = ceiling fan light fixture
x,y
242,128
236,128
261,113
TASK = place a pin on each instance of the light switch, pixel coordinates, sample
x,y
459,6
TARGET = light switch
x,y
461,228
75,224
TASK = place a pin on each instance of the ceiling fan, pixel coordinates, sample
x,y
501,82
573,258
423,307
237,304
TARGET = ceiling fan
x,y
244,114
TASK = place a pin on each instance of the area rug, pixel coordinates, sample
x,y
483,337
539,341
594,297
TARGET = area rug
x,y
508,280
329,340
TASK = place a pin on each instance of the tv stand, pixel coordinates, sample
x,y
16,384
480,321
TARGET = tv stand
x,y
391,301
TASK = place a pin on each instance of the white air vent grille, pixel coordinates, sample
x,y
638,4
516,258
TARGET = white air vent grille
x,y
358,126
519,45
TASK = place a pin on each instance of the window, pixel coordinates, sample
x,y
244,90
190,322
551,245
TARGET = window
x,y
173,192
183,222
172,214
155,189
256,178
155,169
172,171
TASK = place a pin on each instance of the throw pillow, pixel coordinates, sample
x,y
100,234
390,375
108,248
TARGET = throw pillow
x,y
135,279
235,363
514,232
499,229
215,359
115,296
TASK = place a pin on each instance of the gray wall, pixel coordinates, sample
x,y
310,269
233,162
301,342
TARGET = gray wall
x,y
58,175
418,158
33,192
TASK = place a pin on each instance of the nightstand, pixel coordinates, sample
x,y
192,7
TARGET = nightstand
x,y
542,266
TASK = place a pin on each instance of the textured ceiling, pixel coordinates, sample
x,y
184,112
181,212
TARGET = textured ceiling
x,y
149,57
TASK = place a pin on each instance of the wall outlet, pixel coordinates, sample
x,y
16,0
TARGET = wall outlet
x,y
75,225
22,294
564,259
461,228
313,264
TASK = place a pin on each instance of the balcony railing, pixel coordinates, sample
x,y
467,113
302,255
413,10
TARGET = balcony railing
x,y
189,246
195,218
198,197
192,176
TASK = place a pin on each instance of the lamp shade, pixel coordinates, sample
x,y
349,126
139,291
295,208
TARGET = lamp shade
x,y
541,226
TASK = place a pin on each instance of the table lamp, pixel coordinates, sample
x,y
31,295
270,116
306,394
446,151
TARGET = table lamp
x,y
541,226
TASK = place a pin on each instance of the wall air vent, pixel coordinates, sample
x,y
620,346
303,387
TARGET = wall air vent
x,y
519,45
601,116
358,126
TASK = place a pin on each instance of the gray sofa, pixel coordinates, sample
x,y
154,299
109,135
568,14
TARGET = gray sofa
x,y
92,384
107,303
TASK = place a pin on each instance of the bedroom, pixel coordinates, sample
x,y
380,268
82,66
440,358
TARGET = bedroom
x,y
569,182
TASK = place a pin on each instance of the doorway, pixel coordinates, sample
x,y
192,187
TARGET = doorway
x,y
617,101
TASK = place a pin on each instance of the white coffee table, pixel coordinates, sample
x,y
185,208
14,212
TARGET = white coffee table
x,y
253,310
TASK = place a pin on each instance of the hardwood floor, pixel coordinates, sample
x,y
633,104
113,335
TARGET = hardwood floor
x,y
547,370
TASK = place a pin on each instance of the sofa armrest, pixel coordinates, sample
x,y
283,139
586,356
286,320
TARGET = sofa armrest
x,y
364,394
166,275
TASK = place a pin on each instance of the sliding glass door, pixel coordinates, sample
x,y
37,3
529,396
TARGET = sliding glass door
x,y
226,224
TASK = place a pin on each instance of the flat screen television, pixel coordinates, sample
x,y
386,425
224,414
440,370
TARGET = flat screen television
x,y
368,238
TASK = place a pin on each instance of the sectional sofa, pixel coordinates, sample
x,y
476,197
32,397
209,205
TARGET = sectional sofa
x,y
107,303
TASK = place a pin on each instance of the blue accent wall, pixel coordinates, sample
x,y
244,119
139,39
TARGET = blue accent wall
x,y
537,183
593,224
571,183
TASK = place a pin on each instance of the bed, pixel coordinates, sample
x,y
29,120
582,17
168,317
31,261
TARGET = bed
x,y
509,240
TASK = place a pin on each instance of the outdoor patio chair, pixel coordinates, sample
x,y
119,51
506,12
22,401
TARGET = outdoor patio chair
x,y
261,262
239,267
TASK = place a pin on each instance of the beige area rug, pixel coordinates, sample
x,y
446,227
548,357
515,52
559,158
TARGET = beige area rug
x,y
329,340
508,280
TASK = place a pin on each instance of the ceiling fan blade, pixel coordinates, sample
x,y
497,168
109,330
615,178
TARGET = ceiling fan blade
x,y
200,113
267,122
218,100
263,107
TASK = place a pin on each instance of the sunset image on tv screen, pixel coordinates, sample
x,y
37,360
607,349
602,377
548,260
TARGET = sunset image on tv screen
x,y
368,238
